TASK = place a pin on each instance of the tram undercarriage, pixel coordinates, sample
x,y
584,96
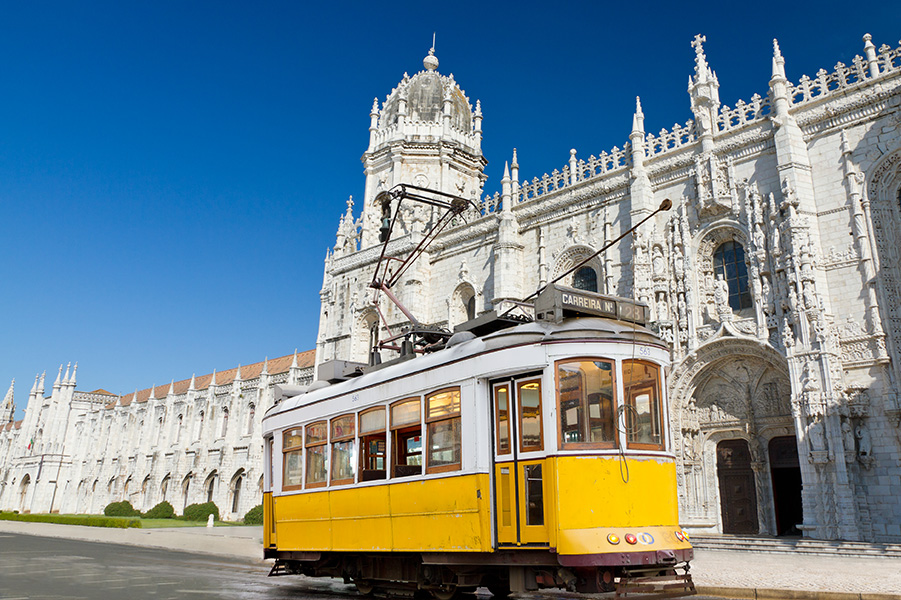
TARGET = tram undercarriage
x,y
447,575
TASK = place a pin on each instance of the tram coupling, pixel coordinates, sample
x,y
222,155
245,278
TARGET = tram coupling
x,y
650,583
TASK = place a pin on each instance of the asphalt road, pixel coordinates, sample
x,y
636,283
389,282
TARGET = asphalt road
x,y
42,568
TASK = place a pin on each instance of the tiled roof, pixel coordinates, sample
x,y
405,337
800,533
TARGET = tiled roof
x,y
278,365
102,392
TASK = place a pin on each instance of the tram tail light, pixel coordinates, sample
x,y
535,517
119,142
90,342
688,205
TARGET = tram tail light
x,y
631,539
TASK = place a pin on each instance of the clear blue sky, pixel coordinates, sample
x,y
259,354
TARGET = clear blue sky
x,y
171,173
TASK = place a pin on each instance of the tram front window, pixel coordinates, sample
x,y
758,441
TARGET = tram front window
x,y
643,423
317,456
443,418
373,444
586,403
406,435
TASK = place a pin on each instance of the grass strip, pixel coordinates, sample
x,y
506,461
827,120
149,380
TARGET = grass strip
x,y
88,520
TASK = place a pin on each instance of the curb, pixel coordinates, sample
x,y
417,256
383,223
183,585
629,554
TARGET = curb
x,y
739,593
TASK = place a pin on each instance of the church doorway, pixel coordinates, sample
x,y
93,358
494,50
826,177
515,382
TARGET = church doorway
x,y
738,493
785,470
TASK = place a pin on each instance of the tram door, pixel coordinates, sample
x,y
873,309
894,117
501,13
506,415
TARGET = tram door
x,y
519,463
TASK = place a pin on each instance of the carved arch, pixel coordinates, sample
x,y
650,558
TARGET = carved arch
x,y
366,320
462,299
572,256
708,241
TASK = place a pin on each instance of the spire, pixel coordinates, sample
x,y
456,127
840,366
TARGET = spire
x,y
294,362
506,190
265,370
74,370
134,398
171,388
702,70
59,376
778,61
152,395
213,380
8,409
638,117
238,374
41,382
869,51
66,376
34,388
191,387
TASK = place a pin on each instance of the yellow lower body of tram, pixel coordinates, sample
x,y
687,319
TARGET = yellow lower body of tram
x,y
600,514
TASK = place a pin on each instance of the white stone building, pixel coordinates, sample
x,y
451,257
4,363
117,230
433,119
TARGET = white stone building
x,y
191,441
776,276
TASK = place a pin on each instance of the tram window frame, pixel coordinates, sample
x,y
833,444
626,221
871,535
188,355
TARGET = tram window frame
x,y
449,418
342,437
584,404
401,433
317,447
630,392
292,453
376,435
502,429
521,415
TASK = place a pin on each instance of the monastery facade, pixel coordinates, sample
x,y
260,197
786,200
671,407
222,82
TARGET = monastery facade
x,y
192,441
775,277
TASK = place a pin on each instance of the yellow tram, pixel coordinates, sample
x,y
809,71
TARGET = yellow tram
x,y
521,455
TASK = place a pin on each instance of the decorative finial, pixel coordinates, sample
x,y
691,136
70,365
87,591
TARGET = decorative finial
x,y
375,107
350,204
430,62
294,362
478,108
776,51
513,163
638,106
74,371
701,68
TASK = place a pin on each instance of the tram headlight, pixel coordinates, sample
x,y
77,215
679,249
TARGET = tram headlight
x,y
613,538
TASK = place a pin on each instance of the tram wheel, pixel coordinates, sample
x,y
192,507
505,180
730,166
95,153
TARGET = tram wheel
x,y
364,587
448,593
605,581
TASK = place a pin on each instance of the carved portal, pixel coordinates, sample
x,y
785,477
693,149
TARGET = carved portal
x,y
734,391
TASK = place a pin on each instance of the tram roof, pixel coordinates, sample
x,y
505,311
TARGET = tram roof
x,y
583,328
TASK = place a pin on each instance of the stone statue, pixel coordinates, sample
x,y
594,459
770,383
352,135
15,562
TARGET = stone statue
x,y
678,259
816,435
721,297
788,336
864,441
658,262
847,436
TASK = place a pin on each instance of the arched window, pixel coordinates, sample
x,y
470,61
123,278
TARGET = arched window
x,y
729,261
586,278
471,308
164,488
236,491
210,486
178,424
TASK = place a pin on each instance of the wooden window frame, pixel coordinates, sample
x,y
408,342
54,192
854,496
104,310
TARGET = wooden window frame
x,y
364,435
291,449
427,455
629,393
316,444
333,439
395,431
497,421
562,444
519,414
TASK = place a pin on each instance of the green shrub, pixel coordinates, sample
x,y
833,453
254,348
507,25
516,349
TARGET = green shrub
x,y
89,520
163,510
254,516
200,512
121,509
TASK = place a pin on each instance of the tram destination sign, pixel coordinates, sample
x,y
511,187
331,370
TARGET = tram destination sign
x,y
555,301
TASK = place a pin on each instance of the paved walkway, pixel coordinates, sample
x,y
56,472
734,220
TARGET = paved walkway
x,y
725,573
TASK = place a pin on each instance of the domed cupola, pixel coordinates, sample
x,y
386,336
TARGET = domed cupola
x,y
422,99
426,134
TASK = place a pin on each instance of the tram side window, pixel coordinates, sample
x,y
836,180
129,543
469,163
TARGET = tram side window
x,y
641,381
443,418
373,444
342,439
292,451
529,394
586,403
317,454
502,418
406,436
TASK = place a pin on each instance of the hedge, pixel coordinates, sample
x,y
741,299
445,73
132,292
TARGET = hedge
x,y
254,516
88,520
121,509
200,512
163,510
